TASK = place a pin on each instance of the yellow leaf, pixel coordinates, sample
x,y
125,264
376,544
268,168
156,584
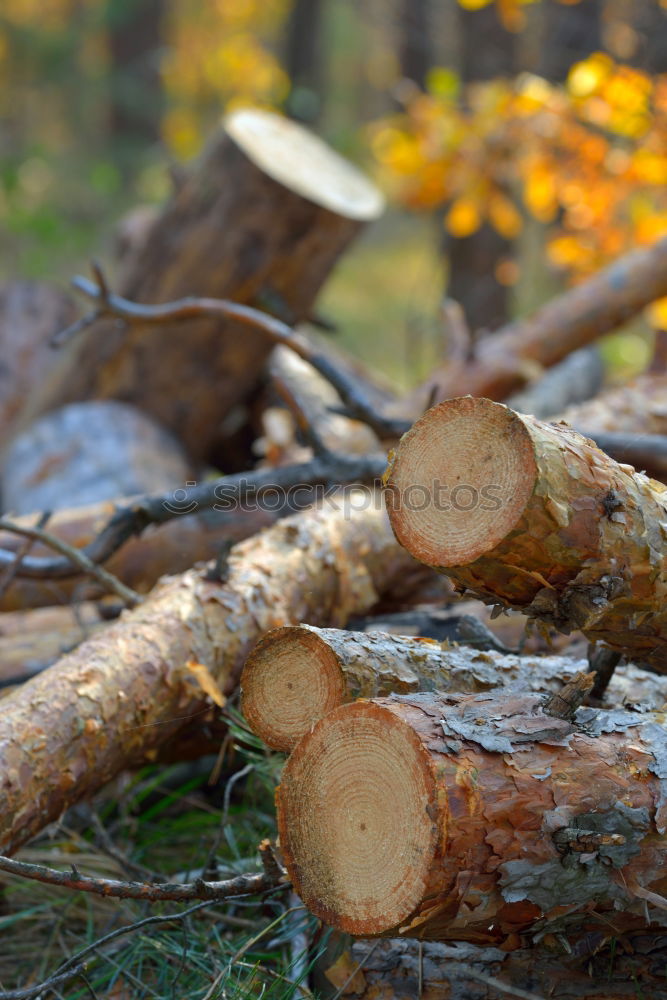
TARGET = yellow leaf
x,y
463,218
345,974
504,216
207,682
474,4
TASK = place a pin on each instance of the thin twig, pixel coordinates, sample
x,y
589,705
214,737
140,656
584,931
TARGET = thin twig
x,y
76,556
498,984
247,884
223,494
21,552
33,991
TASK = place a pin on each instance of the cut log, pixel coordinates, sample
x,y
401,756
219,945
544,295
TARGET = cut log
x,y
89,452
261,220
298,673
477,818
111,703
504,361
533,516
172,547
608,969
31,313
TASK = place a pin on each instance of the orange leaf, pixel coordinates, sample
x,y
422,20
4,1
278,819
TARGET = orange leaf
x,y
463,218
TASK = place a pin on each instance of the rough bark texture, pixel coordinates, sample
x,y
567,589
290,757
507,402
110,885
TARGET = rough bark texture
x,y
565,324
607,968
261,220
478,818
111,703
535,517
298,673
31,313
169,548
89,452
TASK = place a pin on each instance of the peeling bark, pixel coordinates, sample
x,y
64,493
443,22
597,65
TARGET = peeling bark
x,y
604,967
533,516
478,818
638,407
298,673
111,703
261,220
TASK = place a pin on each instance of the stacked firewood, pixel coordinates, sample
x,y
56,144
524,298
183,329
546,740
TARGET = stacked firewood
x,y
453,778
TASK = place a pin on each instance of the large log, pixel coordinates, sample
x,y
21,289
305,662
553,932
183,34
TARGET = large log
x,y
533,516
112,702
607,968
298,673
172,547
261,220
87,453
638,407
31,313
504,360
32,640
478,818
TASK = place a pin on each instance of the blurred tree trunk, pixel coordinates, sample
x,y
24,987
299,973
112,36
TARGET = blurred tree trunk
x,y
571,33
415,49
650,24
304,61
135,91
488,51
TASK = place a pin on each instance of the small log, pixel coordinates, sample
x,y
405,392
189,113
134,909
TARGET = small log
x,y
31,312
298,673
120,695
167,548
90,452
477,818
261,220
533,516
504,360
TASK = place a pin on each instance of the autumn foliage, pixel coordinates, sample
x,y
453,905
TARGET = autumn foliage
x,y
588,158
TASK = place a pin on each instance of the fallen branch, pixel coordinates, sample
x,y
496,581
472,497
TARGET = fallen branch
x,y
247,884
570,321
124,692
533,516
477,818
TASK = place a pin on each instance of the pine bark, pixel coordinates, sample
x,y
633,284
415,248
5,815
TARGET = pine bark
x,y
533,516
120,695
298,673
478,818
504,361
606,968
261,220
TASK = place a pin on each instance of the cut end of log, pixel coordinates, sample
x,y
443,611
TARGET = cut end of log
x,y
303,163
291,679
354,813
460,481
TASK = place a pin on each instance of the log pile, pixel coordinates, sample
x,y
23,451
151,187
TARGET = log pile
x,y
465,787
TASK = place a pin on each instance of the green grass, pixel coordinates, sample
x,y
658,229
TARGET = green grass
x,y
162,820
